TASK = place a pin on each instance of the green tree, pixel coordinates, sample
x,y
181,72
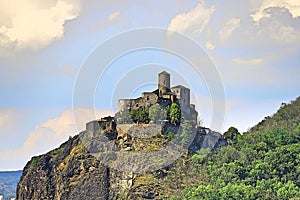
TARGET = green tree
x,y
155,113
288,191
232,133
140,116
143,116
175,113
134,116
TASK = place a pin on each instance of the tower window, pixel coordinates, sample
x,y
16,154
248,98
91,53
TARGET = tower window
x,y
164,82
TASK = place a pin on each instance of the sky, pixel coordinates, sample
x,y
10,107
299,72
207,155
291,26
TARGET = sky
x,y
52,51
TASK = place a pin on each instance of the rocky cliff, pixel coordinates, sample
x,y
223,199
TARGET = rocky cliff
x,y
81,168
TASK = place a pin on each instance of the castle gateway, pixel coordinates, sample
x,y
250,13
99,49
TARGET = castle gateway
x,y
164,95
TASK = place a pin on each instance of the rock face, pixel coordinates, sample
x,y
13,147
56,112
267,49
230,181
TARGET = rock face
x,y
64,173
72,172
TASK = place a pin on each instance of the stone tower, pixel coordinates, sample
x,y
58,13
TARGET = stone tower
x,y
163,83
183,95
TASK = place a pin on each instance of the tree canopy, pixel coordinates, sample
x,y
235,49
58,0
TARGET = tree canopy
x,y
175,113
260,164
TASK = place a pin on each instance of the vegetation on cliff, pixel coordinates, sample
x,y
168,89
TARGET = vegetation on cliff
x,y
260,164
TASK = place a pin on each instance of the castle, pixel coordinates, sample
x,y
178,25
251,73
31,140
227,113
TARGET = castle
x,y
164,95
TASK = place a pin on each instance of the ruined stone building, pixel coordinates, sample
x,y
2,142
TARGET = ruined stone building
x,y
164,95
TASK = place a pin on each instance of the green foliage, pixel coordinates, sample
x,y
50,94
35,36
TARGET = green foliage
x,y
134,115
175,198
155,113
175,113
140,116
103,125
287,118
186,133
261,164
232,133
288,190
125,116
169,135
144,116
200,156
34,161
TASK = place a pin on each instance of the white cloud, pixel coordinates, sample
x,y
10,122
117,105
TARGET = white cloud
x,y
276,31
228,29
30,24
114,16
293,6
209,45
282,32
194,20
247,61
51,133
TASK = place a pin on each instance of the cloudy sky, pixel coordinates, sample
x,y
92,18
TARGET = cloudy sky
x,y
253,44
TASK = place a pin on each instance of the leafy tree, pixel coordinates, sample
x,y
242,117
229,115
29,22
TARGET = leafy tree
x,y
140,116
143,116
232,133
288,191
155,113
134,115
175,113
260,164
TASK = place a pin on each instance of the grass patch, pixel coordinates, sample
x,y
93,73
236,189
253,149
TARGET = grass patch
x,y
34,161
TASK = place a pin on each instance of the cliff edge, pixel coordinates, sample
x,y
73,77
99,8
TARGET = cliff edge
x,y
71,171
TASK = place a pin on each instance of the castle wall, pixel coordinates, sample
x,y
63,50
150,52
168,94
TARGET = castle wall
x,y
148,99
124,104
164,96
93,126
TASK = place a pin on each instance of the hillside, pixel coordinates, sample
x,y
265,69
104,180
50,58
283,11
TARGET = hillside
x,y
8,183
287,118
260,164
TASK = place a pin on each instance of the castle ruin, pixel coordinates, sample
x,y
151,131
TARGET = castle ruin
x,y
164,95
